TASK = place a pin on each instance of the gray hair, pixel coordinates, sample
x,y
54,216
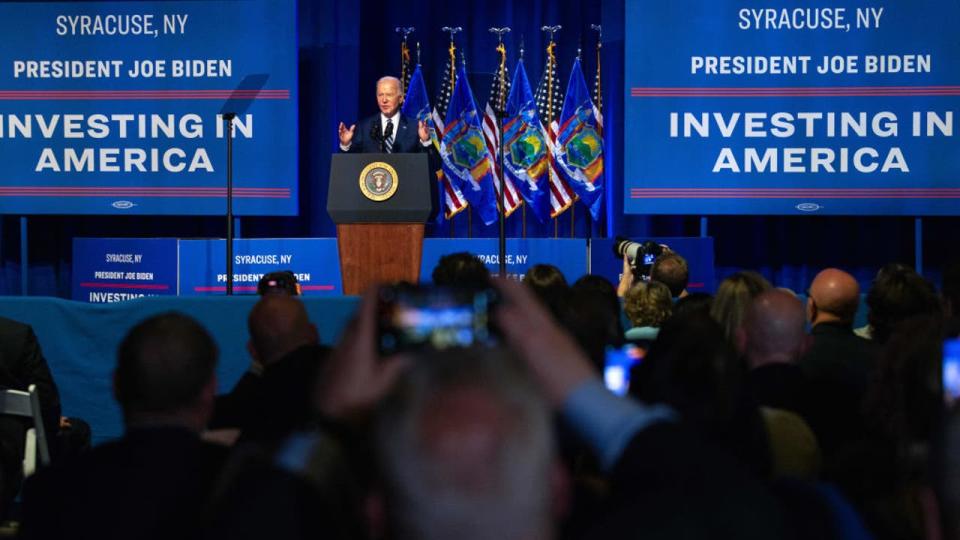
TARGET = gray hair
x,y
391,79
437,489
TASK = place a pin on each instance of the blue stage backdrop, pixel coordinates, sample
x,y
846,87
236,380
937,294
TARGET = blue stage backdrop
x,y
846,108
114,107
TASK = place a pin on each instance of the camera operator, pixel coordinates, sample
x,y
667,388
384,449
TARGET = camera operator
x,y
671,269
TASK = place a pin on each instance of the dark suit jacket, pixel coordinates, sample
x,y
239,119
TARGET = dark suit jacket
x,y
22,364
269,407
670,483
152,483
405,138
838,366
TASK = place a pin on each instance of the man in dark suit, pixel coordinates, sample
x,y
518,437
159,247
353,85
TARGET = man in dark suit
x,y
275,396
153,482
838,363
389,131
22,364
772,338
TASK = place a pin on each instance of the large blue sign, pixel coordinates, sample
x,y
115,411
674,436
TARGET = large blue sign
x,y
313,260
107,270
697,251
841,108
569,255
115,107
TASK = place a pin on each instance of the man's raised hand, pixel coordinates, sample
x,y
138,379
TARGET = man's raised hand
x,y
346,134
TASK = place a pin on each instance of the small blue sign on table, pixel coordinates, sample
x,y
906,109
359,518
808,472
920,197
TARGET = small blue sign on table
x,y
117,269
313,260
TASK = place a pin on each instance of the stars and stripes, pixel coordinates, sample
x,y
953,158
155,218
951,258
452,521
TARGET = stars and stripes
x,y
496,103
406,67
453,199
598,95
549,105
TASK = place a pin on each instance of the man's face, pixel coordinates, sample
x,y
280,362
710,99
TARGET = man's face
x,y
388,97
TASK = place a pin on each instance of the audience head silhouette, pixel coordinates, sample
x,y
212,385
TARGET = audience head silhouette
x,y
466,450
165,372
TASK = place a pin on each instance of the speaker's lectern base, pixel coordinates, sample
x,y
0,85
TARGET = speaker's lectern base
x,y
372,253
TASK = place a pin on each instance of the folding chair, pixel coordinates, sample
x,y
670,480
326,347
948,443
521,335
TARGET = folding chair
x,y
27,404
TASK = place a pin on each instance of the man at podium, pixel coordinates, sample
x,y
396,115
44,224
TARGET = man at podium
x,y
388,132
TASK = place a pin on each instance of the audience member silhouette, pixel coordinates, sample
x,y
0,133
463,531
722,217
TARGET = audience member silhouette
x,y
461,269
838,363
898,293
903,409
153,482
466,450
647,305
593,317
22,364
275,396
698,302
548,283
694,369
950,298
733,296
671,269
771,340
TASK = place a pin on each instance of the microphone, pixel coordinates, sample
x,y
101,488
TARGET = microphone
x,y
375,134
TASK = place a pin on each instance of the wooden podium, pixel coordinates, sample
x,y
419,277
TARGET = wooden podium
x,y
379,203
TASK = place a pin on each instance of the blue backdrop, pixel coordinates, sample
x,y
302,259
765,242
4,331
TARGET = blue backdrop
x,y
344,46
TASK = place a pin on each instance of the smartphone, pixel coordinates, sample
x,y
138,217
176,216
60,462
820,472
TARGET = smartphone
x,y
617,366
951,370
421,317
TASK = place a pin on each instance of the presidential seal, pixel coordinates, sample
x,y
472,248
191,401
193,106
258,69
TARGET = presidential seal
x,y
378,181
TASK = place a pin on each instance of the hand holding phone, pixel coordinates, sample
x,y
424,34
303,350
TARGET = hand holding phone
x,y
414,318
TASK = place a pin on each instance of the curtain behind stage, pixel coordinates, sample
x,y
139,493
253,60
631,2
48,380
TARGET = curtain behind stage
x,y
345,46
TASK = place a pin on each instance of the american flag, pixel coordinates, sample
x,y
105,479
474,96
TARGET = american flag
x,y
406,67
598,94
454,201
549,106
496,104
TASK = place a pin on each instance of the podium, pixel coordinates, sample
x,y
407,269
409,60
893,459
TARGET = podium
x,y
379,203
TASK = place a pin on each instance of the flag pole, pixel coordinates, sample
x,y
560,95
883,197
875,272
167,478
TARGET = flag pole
x,y
499,108
452,51
573,207
523,209
551,65
599,103
404,31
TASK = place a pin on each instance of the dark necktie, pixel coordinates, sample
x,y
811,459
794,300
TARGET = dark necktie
x,y
388,136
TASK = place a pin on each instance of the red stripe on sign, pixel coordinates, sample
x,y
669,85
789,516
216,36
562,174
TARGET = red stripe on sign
x,y
223,288
99,95
105,285
795,91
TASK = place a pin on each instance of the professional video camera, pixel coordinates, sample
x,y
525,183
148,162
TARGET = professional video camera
x,y
640,255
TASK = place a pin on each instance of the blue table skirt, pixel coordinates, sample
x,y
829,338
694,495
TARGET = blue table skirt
x,y
80,340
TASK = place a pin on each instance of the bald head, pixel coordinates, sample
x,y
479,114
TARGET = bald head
x,y
773,329
834,297
279,325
